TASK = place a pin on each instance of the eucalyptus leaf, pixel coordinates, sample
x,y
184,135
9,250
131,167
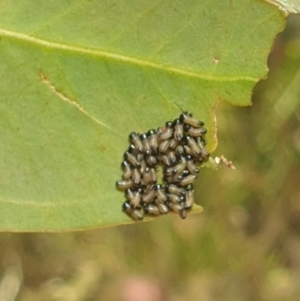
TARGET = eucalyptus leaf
x,y
78,76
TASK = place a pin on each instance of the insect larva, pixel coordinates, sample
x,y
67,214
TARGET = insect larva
x,y
177,169
188,180
134,197
173,189
173,144
187,150
187,119
165,161
153,175
162,207
132,150
172,157
189,199
151,209
143,167
127,171
168,171
191,166
152,139
168,179
159,131
160,194
179,209
175,198
163,147
136,177
176,177
132,159
185,173
194,132
136,141
178,130
199,160
145,142
166,132
149,195
179,150
175,207
204,153
202,139
140,157
129,194
146,180
182,214
151,160
189,187
133,213
195,149
147,177
173,179
124,184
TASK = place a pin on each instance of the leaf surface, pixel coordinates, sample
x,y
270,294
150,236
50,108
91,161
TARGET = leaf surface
x,y
78,76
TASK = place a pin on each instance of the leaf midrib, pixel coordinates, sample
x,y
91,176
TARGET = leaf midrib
x,y
120,57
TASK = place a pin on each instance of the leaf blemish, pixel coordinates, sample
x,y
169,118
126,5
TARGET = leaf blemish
x,y
216,60
63,97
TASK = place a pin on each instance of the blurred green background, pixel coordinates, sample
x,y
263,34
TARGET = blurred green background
x,y
244,246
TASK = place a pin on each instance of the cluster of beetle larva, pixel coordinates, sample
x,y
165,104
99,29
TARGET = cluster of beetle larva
x,y
178,146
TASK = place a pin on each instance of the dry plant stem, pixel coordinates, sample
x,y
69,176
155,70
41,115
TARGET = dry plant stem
x,y
217,162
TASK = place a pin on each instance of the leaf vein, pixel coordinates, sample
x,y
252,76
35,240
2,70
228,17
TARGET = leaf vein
x,y
63,97
123,58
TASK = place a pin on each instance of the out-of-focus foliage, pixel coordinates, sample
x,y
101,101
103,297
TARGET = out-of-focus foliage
x,y
246,244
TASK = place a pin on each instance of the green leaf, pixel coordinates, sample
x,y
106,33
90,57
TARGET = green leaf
x,y
78,76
